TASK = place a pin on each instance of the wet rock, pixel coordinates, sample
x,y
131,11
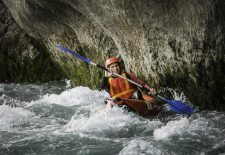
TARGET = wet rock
x,y
22,57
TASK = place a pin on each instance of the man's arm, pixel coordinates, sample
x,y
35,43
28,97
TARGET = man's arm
x,y
134,78
145,85
104,84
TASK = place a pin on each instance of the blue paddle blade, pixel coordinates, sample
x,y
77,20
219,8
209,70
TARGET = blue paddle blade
x,y
74,53
179,107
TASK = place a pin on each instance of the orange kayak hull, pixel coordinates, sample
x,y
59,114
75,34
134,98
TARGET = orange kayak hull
x,y
143,107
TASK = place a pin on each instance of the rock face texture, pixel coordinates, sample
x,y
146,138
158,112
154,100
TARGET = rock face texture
x,y
22,57
178,43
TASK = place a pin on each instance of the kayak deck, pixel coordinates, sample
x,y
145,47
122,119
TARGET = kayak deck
x,y
143,107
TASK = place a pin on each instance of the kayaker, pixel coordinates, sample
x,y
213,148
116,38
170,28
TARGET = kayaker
x,y
118,87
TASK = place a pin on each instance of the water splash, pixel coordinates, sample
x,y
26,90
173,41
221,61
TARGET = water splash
x,y
12,117
177,95
75,96
68,84
75,121
171,128
139,146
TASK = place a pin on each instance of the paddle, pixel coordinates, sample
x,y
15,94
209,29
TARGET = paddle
x,y
175,105
178,106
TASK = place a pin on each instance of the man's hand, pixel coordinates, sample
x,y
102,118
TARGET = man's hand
x,y
152,91
110,103
109,74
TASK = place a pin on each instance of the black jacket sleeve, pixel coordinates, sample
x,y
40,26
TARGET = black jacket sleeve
x,y
104,84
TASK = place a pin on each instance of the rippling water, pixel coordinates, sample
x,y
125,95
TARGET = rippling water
x,y
55,119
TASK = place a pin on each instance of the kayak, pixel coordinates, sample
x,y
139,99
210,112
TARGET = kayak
x,y
145,107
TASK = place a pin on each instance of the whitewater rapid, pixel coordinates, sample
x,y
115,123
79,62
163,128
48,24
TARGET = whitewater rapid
x,y
54,118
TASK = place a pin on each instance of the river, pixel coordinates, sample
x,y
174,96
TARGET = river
x,y
56,119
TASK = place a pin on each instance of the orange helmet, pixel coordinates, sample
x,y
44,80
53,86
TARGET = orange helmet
x,y
111,60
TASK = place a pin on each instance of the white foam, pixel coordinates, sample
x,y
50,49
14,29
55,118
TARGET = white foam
x,y
108,119
10,117
7,100
139,147
75,96
68,84
171,128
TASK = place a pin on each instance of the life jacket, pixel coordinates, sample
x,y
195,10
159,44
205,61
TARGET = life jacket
x,y
120,87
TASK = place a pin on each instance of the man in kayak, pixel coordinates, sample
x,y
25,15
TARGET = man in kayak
x,y
118,87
